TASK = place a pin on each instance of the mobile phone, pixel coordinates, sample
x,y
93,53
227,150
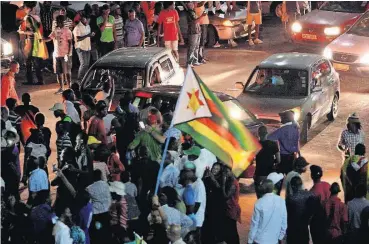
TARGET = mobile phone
x,y
142,125
54,167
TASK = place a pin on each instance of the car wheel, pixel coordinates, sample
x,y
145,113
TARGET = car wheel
x,y
334,109
212,36
305,130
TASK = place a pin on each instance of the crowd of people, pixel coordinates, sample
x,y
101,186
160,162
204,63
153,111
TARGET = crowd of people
x,y
50,33
108,164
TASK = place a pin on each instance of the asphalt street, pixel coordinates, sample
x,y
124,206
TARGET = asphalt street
x,y
228,65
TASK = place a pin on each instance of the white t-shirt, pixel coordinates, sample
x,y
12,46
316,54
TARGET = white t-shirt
x,y
107,124
206,159
71,111
200,196
82,30
61,232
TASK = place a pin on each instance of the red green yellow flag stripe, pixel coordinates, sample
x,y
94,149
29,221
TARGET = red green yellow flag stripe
x,y
225,137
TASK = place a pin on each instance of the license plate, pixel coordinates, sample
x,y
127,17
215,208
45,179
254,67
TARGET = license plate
x,y
309,36
342,67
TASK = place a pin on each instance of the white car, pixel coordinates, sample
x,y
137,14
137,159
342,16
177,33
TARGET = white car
x,y
350,51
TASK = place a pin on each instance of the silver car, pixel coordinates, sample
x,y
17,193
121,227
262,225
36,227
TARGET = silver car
x,y
304,83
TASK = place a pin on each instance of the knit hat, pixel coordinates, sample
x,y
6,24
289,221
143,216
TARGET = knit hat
x,y
353,118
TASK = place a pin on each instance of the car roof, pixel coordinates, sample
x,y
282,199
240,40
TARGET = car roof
x,y
173,91
130,57
290,61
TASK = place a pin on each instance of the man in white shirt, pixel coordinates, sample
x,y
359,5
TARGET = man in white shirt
x,y
269,220
104,94
82,43
61,231
200,193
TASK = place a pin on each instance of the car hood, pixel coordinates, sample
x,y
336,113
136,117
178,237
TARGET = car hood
x,y
350,43
327,18
233,15
269,107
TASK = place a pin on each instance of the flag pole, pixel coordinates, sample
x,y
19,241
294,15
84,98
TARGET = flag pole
x,y
167,141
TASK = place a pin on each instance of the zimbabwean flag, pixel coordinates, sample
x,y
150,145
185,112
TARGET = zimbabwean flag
x,y
202,115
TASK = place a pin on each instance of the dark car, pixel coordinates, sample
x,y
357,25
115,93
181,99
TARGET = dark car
x,y
304,83
169,96
129,68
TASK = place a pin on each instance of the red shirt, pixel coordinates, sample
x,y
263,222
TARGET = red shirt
x,y
337,214
321,190
169,20
8,88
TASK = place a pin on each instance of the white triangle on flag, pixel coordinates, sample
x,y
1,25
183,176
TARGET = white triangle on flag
x,y
191,103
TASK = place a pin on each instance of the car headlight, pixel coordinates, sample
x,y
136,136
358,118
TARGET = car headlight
x,y
365,59
327,53
228,23
332,31
7,49
297,113
296,27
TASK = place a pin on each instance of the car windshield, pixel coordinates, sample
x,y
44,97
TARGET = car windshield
x,y
345,6
361,28
237,112
123,78
278,82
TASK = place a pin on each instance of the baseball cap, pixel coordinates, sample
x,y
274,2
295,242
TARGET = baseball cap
x,y
194,150
57,106
275,177
316,171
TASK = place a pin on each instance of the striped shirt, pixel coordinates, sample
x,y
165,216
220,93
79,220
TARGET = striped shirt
x,y
119,28
118,213
15,119
62,142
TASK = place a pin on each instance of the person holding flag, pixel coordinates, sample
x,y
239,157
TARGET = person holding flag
x,y
203,116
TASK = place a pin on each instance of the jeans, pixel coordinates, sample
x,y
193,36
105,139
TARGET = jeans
x,y
36,63
84,60
94,52
203,41
193,48
106,47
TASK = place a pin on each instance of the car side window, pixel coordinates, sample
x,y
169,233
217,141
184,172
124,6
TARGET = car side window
x,y
166,66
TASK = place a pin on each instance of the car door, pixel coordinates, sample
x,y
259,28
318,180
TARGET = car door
x,y
319,92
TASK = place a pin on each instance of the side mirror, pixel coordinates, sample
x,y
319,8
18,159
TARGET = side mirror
x,y
239,85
